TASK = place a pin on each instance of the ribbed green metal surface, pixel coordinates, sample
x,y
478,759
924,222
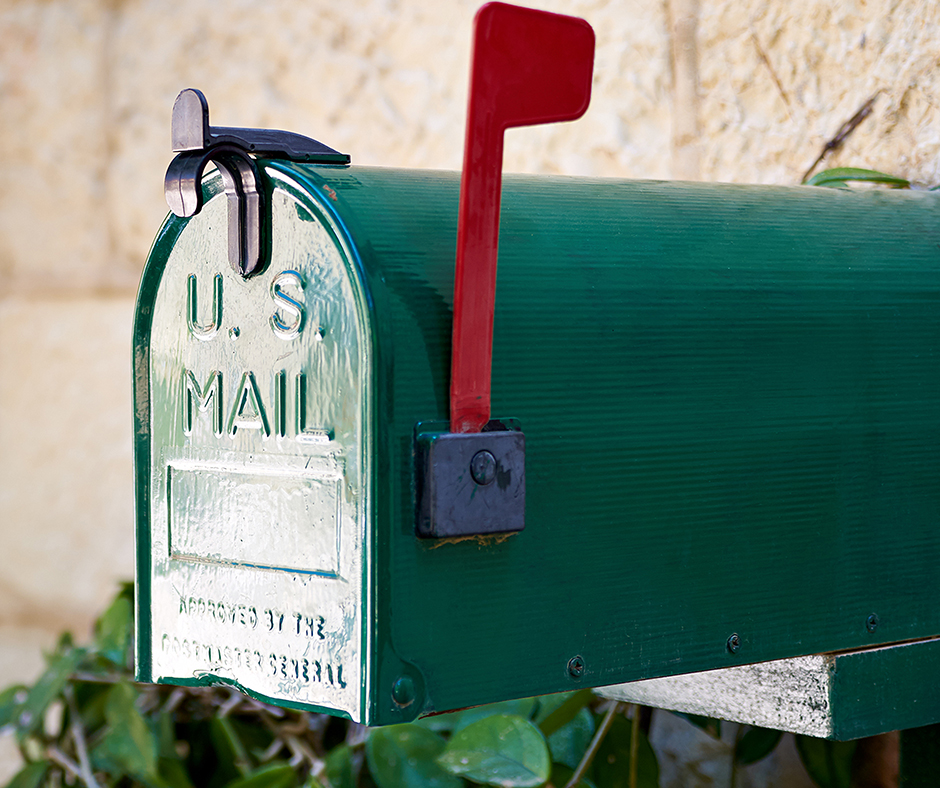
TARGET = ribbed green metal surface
x,y
731,402
730,399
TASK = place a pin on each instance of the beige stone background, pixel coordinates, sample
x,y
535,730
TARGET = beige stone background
x,y
717,90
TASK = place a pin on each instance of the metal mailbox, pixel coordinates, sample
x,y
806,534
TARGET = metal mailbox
x,y
729,397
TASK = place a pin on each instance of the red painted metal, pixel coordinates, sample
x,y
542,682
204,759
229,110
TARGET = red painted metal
x,y
527,67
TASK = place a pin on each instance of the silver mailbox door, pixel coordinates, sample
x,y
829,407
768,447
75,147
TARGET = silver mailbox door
x,y
259,463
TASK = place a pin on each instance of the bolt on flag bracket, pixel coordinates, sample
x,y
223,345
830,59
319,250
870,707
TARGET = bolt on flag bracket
x,y
527,67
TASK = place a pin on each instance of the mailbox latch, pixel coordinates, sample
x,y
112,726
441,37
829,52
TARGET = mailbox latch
x,y
231,149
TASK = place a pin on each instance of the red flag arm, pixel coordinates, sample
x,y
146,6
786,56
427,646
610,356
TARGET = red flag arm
x,y
528,67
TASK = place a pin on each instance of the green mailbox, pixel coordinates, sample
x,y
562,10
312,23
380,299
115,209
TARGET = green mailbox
x,y
715,436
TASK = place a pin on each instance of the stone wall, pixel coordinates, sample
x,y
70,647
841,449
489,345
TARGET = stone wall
x,y
719,90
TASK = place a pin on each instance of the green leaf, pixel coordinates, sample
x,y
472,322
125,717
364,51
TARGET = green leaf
x,y
113,630
756,744
30,776
828,763
838,176
503,749
166,735
561,776
612,762
558,710
129,742
200,758
549,704
455,720
274,775
92,699
339,767
173,773
64,644
522,707
403,756
11,700
440,723
569,743
46,690
228,745
255,738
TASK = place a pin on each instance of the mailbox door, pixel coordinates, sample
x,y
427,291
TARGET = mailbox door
x,y
253,491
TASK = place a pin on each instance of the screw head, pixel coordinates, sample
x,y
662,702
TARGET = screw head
x,y
734,643
576,667
483,467
871,623
403,691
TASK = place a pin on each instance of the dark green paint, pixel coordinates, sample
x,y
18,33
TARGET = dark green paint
x,y
920,757
731,401
885,689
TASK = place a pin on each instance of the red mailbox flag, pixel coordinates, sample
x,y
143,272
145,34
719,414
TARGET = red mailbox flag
x,y
527,67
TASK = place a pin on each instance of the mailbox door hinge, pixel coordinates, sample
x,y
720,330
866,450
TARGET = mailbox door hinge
x,y
232,151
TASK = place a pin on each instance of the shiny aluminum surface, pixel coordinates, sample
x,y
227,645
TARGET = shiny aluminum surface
x,y
259,463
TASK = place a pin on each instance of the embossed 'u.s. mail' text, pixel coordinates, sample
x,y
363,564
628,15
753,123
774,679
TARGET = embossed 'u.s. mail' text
x,y
240,404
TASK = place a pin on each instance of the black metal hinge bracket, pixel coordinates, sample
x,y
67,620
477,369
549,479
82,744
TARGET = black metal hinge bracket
x,y
232,151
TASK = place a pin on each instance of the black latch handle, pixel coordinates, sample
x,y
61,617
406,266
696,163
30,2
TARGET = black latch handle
x,y
245,211
231,150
